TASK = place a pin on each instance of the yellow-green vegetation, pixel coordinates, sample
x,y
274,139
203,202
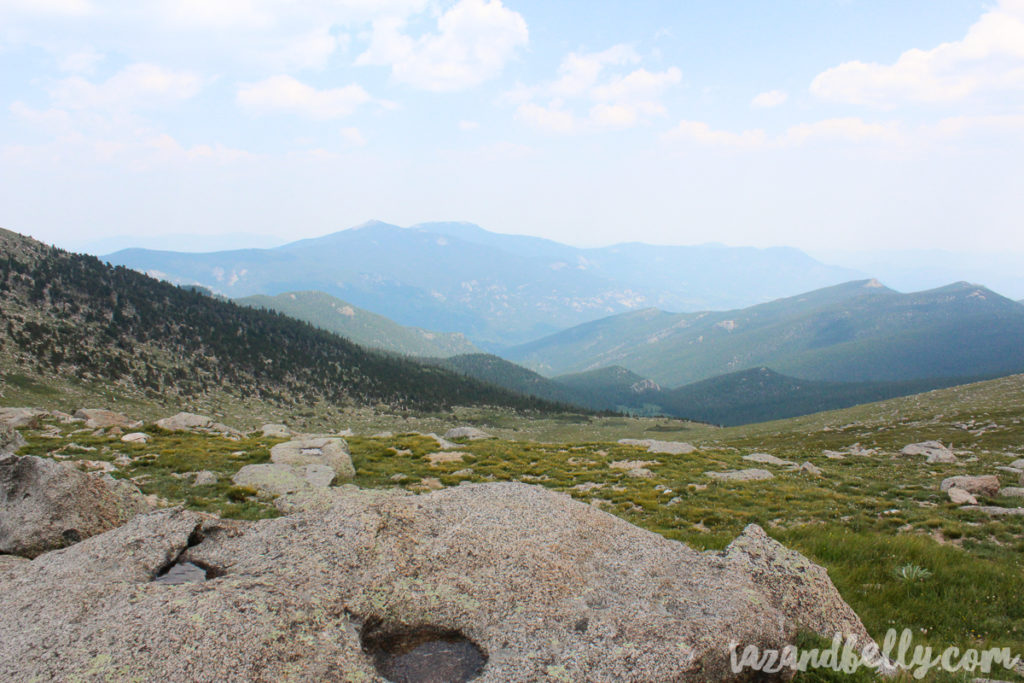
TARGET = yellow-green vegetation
x,y
900,553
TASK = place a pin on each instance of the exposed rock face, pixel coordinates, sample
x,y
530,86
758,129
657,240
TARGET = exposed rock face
x,y
934,450
471,433
276,431
277,479
666,447
742,475
986,485
766,459
45,505
10,440
190,422
332,452
960,496
21,417
544,586
97,418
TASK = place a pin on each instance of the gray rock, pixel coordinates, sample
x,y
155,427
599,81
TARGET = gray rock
x,y
278,479
640,473
936,453
811,468
1010,470
665,447
960,496
995,511
1018,464
276,431
332,452
45,505
986,485
443,443
471,433
135,437
96,418
1012,492
766,459
190,422
21,417
10,440
547,587
742,475
204,478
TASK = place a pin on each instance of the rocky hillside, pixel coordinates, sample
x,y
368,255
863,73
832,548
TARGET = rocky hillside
x,y
496,289
361,326
71,317
856,332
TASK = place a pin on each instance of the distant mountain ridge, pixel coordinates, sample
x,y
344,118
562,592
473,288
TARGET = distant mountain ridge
x,y
361,326
497,289
854,332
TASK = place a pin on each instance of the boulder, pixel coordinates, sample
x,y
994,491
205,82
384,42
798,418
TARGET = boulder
x,y
640,473
278,479
936,453
665,447
1018,464
190,422
276,431
960,496
331,451
471,433
135,437
204,478
765,459
505,581
96,418
1012,492
811,468
45,504
742,475
442,443
10,440
21,417
986,485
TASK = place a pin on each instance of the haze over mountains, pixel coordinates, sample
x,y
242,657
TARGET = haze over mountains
x,y
496,289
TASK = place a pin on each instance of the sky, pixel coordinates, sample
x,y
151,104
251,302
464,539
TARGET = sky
x,y
827,125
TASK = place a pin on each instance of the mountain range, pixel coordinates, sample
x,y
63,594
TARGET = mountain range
x,y
70,318
498,290
361,326
855,332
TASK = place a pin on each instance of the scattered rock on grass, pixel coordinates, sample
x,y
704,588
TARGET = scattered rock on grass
x,y
471,433
190,422
96,418
665,447
1012,492
444,457
331,451
21,417
742,475
276,431
277,479
934,451
135,437
960,496
766,459
811,468
986,485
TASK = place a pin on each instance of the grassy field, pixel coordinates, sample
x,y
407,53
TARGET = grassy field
x,y
900,553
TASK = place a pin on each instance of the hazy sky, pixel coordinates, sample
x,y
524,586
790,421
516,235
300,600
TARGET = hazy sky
x,y
823,124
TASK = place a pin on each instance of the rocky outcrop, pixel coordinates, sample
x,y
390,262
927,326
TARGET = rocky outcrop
x,y
190,422
523,583
332,452
742,475
934,451
10,440
21,417
471,433
665,447
45,504
766,459
96,418
985,485
278,479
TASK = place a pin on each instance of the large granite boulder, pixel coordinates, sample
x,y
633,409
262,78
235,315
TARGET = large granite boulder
x,y
21,417
985,485
470,433
934,451
331,451
201,424
97,418
508,581
278,479
45,504
663,447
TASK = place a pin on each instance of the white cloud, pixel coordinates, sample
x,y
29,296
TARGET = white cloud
x,y
136,86
701,133
585,96
352,137
72,8
772,98
474,41
284,93
468,125
988,60
848,129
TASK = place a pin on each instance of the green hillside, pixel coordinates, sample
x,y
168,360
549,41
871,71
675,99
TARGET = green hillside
x,y
361,326
70,318
856,332
500,372
614,388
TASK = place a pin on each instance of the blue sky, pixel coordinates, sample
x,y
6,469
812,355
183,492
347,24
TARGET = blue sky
x,y
822,124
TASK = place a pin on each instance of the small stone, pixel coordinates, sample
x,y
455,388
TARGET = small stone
x,y
766,459
204,478
811,468
961,497
640,473
742,475
135,437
